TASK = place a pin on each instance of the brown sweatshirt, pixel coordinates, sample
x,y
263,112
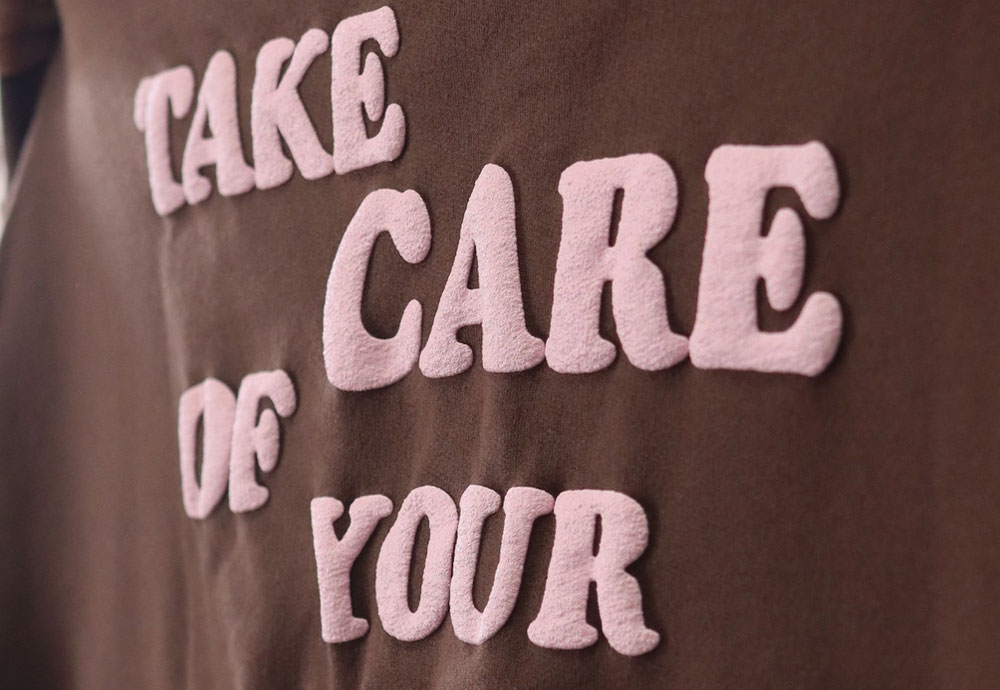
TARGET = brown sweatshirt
x,y
500,345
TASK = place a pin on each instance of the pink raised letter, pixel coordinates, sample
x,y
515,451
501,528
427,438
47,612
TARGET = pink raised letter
x,y
392,572
488,233
216,108
355,359
335,558
155,99
278,113
587,260
522,506
213,403
726,333
562,621
257,440
356,92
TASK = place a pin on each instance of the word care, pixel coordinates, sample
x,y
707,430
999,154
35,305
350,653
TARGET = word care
x,y
736,257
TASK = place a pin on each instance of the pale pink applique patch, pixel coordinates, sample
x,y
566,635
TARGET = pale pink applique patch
x,y
278,114
562,621
587,260
257,437
335,557
356,360
522,506
452,559
726,333
236,439
278,117
216,109
156,98
354,88
392,573
489,234
214,404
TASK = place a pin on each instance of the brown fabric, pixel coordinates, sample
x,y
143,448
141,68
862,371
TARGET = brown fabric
x,y
837,532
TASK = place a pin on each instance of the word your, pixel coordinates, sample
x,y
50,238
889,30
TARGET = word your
x,y
277,114
236,438
737,255
452,559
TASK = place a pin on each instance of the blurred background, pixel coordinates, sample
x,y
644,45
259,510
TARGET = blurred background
x,y
3,171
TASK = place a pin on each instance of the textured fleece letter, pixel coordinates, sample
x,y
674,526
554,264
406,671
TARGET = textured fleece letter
x,y
277,112
213,402
356,360
488,232
173,89
335,557
521,507
562,620
354,89
257,440
587,260
216,108
392,572
736,256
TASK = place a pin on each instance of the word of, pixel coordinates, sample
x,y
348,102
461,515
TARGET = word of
x,y
236,439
